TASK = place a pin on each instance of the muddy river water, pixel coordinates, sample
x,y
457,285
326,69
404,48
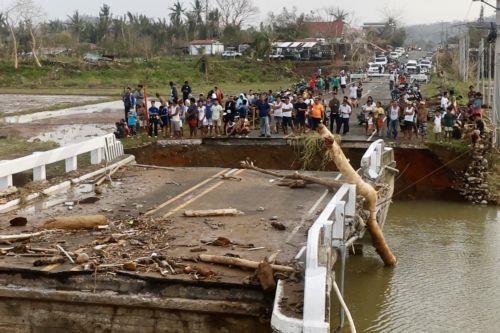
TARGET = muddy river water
x,y
447,278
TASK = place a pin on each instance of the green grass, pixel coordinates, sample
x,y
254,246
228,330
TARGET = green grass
x,y
460,87
458,146
73,76
14,147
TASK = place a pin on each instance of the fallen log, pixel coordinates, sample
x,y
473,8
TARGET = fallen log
x,y
364,189
244,263
75,222
212,212
330,183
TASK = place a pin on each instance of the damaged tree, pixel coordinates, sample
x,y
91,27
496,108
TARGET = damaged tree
x,y
364,189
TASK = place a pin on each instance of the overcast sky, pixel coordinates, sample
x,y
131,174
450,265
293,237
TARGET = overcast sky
x,y
412,11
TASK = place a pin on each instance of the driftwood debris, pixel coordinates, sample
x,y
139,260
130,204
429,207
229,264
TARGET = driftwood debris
x,y
243,263
364,189
19,237
49,261
265,274
212,212
75,222
18,221
152,167
330,183
107,176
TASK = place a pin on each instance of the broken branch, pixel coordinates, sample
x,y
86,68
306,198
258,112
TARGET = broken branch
x,y
331,184
244,263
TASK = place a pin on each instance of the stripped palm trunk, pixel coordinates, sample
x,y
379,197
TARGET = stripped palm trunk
x,y
364,189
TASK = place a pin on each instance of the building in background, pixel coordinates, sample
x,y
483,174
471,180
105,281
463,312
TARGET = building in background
x,y
205,47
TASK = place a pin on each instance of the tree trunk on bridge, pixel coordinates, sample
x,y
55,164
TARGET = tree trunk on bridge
x,y
364,189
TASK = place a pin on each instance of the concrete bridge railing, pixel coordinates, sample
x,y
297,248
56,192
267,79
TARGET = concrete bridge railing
x,y
101,148
328,234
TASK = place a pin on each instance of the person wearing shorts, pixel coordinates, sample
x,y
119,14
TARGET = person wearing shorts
x,y
409,115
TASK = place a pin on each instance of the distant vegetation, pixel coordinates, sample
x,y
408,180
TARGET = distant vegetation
x,y
73,73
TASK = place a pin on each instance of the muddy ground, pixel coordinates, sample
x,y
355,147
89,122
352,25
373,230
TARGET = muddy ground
x,y
14,103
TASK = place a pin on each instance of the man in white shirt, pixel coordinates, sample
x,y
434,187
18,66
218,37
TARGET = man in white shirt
x,y
393,119
287,115
277,113
353,91
343,82
392,80
408,118
345,111
216,117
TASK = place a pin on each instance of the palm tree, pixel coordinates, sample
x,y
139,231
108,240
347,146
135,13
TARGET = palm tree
x,y
76,25
176,14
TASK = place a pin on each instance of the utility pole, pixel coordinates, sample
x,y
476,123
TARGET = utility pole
x,y
496,101
480,66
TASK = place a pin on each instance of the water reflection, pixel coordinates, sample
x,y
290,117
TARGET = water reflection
x,y
447,278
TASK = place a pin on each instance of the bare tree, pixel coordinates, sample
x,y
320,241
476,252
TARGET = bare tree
x,y
29,14
11,20
236,12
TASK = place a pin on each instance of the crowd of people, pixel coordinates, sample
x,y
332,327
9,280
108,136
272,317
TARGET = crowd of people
x,y
328,100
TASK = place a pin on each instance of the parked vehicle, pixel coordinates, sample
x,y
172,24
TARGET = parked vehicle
x,y
381,61
375,69
276,57
425,63
394,55
231,54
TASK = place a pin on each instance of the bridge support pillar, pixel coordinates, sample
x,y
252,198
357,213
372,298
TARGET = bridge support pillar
x,y
96,156
5,182
71,164
39,173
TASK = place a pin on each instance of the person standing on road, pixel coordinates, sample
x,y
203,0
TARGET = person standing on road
x,y
334,106
379,116
317,113
277,107
335,82
343,82
287,115
300,115
353,93
392,80
176,118
422,114
345,113
393,119
264,112
216,118
154,116
186,91
192,118
409,115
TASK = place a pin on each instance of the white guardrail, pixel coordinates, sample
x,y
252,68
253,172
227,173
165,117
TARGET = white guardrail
x,y
324,237
105,147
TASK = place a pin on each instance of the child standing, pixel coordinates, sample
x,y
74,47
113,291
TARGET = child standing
x,y
132,121
448,120
437,126
369,123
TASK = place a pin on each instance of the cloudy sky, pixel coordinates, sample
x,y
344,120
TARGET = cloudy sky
x,y
411,11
